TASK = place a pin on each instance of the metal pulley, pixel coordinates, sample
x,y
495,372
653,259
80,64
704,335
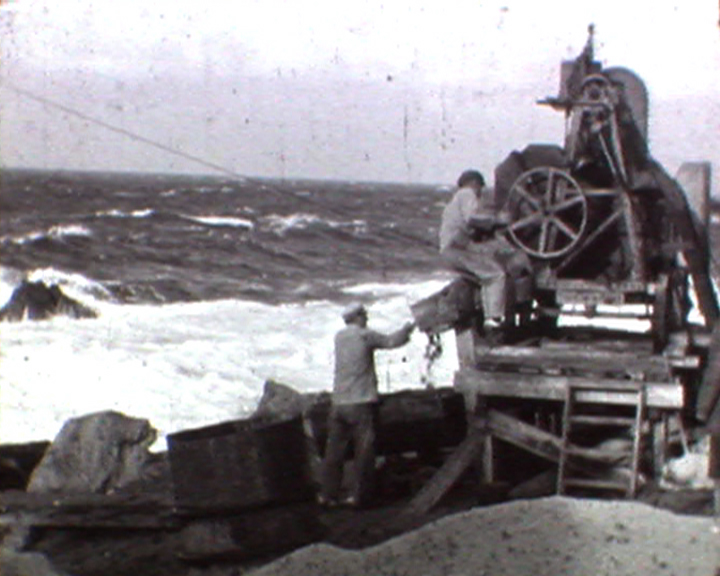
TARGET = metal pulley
x,y
548,212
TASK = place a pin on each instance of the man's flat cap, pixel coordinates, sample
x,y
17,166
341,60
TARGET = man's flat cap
x,y
353,311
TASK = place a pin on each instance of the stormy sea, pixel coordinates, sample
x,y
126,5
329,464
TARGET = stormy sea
x,y
205,288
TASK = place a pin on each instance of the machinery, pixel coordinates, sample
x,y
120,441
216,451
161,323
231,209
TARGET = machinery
x,y
611,236
601,220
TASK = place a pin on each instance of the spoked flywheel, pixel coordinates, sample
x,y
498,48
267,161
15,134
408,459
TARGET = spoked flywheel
x,y
548,212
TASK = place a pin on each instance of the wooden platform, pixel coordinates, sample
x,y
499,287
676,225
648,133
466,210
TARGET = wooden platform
x,y
473,382
516,393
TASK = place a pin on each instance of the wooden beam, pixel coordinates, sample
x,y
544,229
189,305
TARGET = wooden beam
x,y
463,456
521,434
547,445
572,284
697,247
578,359
698,337
524,435
473,381
121,511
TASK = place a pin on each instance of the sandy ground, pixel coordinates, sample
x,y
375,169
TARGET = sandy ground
x,y
535,537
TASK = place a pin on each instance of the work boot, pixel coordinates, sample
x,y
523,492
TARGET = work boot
x,y
494,331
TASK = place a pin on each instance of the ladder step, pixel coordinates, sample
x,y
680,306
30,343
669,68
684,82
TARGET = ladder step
x,y
592,420
595,483
606,456
576,412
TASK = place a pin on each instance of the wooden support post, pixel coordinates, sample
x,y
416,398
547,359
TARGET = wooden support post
x,y
695,180
696,249
466,340
660,440
459,461
485,459
488,459
633,240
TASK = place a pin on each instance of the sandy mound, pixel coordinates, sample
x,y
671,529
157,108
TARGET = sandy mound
x,y
536,537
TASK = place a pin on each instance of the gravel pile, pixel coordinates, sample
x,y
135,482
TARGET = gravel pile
x,y
534,537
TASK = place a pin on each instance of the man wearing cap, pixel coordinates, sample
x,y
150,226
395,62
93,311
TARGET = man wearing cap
x,y
472,242
354,405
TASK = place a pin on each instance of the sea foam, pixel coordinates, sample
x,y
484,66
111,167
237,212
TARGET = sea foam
x,y
188,365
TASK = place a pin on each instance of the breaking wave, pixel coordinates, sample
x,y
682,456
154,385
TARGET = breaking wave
x,y
54,233
143,213
302,221
230,221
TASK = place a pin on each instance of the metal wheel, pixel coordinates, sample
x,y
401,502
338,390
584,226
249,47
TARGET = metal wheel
x,y
597,88
548,212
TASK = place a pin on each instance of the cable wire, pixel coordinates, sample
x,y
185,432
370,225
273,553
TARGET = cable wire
x,y
408,238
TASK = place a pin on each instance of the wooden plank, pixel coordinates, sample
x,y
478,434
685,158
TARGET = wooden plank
x,y
545,444
473,381
699,338
578,359
464,455
614,314
696,251
125,511
524,435
686,362
513,431
597,484
572,284
601,338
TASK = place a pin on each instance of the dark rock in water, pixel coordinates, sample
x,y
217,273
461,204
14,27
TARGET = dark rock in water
x,y
98,453
37,301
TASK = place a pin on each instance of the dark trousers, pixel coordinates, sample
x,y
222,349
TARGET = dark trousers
x,y
348,422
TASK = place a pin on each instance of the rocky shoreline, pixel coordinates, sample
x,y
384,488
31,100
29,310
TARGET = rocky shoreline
x,y
96,501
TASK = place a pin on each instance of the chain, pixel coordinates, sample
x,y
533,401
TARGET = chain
x,y
433,351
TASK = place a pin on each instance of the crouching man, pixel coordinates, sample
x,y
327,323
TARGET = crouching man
x,y
473,243
354,406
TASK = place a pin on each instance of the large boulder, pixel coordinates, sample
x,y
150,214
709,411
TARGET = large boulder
x,y
98,453
38,301
281,402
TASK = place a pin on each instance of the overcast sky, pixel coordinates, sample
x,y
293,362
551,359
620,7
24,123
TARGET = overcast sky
x,y
409,91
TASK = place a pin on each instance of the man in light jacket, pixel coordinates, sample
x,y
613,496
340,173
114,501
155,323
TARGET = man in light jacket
x,y
354,406
473,243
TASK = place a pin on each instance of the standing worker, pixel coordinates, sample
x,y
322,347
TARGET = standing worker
x,y
472,241
354,406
